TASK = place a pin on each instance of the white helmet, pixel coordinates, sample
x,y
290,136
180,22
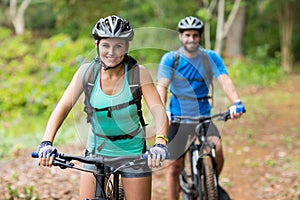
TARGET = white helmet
x,y
190,23
113,27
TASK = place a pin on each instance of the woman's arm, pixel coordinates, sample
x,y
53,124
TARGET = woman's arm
x,y
154,104
65,104
162,88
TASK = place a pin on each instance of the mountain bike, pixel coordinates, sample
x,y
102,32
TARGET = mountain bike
x,y
107,178
199,177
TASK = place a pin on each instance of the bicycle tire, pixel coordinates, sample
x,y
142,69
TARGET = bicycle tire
x,y
210,189
121,192
186,178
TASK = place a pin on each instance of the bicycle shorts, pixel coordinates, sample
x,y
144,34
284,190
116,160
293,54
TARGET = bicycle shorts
x,y
181,135
128,172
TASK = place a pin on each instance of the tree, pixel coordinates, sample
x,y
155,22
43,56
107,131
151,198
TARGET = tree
x,y
235,36
206,15
286,18
223,26
17,15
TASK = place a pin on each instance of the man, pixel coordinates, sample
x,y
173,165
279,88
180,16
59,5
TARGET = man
x,y
188,72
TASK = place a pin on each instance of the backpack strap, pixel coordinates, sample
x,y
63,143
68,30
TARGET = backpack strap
x,y
88,87
135,86
116,107
176,62
209,74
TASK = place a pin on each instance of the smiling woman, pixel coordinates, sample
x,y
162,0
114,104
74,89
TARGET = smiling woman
x,y
117,128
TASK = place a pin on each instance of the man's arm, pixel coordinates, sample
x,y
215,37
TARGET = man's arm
x,y
228,87
230,92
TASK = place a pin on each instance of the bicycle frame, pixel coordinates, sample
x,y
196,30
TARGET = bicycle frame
x,y
201,155
101,181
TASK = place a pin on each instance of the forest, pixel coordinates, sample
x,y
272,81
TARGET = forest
x,y
44,42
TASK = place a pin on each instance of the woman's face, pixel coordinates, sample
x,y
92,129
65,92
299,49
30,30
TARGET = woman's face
x,y
112,51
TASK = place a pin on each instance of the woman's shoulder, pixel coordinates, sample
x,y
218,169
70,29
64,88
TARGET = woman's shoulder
x,y
85,70
145,76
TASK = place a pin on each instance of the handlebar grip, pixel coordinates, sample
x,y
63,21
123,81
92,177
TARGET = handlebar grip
x,y
145,155
35,154
227,115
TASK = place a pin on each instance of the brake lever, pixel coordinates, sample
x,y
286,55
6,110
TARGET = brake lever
x,y
225,116
63,164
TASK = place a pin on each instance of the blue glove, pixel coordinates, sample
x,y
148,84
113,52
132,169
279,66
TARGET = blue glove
x,y
46,149
237,107
158,153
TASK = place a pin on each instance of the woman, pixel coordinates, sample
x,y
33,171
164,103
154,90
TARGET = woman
x,y
111,88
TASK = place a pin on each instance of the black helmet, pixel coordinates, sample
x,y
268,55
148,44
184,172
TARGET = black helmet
x,y
190,23
113,27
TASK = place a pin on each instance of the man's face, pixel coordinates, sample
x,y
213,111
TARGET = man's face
x,y
190,40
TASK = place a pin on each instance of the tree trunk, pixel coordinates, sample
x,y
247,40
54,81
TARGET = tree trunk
x,y
210,8
17,15
234,38
224,27
286,15
220,22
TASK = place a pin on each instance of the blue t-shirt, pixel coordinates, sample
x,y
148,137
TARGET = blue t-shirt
x,y
188,82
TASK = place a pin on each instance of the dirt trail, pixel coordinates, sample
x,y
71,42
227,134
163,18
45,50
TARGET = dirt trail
x,y
262,155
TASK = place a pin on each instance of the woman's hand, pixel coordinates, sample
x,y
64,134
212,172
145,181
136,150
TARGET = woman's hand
x,y
158,153
46,153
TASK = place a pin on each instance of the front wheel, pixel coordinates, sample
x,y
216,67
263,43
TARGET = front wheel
x,y
186,179
209,186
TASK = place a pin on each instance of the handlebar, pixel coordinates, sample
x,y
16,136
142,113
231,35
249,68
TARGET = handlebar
x,y
64,161
97,160
200,119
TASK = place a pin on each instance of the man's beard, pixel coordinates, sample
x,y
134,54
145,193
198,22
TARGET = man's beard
x,y
191,50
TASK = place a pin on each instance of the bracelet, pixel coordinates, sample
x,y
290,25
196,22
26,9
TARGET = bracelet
x,y
162,137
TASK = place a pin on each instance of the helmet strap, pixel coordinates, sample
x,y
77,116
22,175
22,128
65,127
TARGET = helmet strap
x,y
105,67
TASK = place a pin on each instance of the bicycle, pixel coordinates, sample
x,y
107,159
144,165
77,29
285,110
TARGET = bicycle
x,y
199,180
105,188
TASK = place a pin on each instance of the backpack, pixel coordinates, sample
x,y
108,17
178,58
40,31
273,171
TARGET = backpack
x,y
133,76
207,79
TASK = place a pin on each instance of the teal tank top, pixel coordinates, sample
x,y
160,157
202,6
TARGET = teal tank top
x,y
121,122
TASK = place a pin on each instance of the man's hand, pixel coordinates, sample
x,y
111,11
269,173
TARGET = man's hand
x,y
237,109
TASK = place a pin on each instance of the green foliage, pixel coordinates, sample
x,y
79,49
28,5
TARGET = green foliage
x,y
76,17
27,194
247,72
40,15
157,13
4,33
148,57
52,63
204,15
262,29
